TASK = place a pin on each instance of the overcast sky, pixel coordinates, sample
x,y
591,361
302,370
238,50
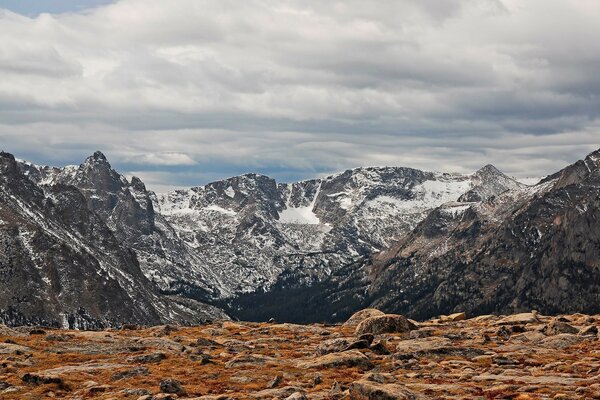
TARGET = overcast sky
x,y
182,92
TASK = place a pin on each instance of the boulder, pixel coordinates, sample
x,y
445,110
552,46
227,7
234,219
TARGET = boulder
x,y
591,330
519,319
147,358
388,323
369,390
361,315
350,358
453,317
280,393
172,386
556,327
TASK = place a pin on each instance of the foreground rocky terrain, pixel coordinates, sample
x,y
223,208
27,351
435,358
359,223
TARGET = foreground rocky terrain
x,y
371,356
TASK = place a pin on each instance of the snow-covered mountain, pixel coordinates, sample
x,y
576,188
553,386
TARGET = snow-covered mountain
x,y
250,231
64,258
310,250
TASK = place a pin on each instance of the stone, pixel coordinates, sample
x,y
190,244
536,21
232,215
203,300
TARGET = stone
x,y
130,373
332,346
590,330
172,386
556,327
10,348
361,315
368,390
519,319
162,330
350,358
247,360
388,323
461,316
35,378
147,358
297,396
276,381
279,393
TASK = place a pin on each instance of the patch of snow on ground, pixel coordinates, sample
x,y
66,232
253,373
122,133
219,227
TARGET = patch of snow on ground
x,y
230,192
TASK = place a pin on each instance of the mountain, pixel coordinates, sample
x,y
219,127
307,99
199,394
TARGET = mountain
x,y
106,250
64,261
257,237
529,248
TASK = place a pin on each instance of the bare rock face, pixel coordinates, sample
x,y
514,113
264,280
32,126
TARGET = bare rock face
x,y
388,323
523,249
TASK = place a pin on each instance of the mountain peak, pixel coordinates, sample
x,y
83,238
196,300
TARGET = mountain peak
x,y
97,158
488,169
8,164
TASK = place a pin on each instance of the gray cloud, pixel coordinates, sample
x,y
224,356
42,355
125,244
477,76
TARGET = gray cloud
x,y
188,91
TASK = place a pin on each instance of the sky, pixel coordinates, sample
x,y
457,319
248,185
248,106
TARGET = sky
x,y
181,93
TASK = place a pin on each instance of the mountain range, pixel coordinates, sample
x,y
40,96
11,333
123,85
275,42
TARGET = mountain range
x,y
85,247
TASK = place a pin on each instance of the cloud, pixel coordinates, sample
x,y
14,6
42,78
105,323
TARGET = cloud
x,y
199,89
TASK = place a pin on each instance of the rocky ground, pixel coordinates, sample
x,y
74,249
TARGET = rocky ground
x,y
371,356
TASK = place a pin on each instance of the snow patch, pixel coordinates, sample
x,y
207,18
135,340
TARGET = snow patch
x,y
230,192
300,215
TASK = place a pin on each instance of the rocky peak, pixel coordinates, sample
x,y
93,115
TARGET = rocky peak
x,y
137,184
488,170
8,164
97,157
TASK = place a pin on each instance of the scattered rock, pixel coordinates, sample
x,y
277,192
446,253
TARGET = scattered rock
x,y
388,323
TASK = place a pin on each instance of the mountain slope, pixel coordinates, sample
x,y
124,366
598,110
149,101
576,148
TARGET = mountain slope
x,y
536,248
61,264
